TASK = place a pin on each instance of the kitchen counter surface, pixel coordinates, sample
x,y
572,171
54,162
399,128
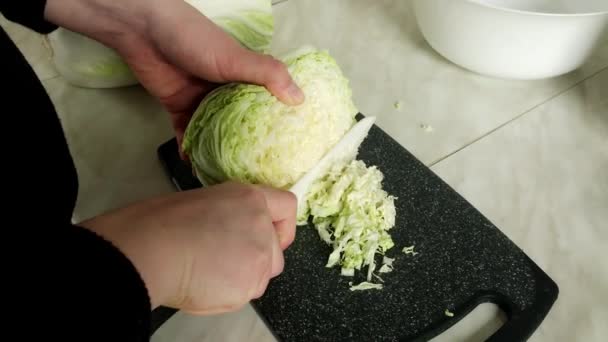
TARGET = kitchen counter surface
x,y
530,155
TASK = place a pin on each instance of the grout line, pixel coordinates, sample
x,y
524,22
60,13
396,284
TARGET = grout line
x,y
508,122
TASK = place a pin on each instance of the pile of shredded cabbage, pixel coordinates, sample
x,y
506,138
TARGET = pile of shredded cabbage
x,y
353,214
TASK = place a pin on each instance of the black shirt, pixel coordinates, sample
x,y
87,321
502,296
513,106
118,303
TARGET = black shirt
x,y
64,281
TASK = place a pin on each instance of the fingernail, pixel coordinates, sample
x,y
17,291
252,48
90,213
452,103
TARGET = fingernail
x,y
295,93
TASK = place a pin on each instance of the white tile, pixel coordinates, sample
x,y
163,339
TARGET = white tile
x,y
380,49
543,180
113,136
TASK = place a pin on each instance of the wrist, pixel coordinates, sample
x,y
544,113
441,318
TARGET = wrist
x,y
138,248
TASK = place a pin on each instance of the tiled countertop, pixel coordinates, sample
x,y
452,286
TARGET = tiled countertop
x,y
531,156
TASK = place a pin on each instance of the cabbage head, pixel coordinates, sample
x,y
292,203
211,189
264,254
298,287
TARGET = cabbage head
x,y
85,62
241,132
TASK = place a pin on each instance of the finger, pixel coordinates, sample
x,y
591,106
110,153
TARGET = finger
x,y
263,284
179,121
276,266
282,206
286,233
278,261
251,67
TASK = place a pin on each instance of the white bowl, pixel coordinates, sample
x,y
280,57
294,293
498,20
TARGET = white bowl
x,y
515,39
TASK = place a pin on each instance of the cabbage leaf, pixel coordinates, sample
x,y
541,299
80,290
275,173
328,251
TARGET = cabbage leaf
x,y
366,286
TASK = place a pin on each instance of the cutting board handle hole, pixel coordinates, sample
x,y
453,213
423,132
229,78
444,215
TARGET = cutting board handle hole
x,y
483,321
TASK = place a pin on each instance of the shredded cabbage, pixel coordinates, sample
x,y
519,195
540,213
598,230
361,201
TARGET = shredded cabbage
x,y
387,265
353,214
85,62
241,132
366,286
385,269
378,277
409,250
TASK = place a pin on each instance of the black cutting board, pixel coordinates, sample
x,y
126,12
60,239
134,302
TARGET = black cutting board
x,y
463,260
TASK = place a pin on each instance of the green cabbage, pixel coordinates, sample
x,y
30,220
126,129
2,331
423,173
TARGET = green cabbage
x,y
85,62
353,214
242,132
366,286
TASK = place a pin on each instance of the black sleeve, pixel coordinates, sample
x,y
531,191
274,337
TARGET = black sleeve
x,y
89,289
29,13
65,282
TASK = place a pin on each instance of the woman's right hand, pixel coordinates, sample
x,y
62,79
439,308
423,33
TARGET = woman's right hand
x,y
205,251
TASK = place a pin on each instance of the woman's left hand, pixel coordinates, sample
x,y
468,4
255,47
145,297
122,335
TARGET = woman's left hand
x,y
176,53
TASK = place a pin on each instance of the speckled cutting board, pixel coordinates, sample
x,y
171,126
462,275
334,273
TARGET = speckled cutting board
x,y
462,260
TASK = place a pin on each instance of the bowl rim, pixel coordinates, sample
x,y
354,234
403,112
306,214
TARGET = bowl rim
x,y
483,3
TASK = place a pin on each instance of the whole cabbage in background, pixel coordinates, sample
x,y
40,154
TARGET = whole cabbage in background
x,y
85,62
241,132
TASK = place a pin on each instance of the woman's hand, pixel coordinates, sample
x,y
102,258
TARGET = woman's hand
x,y
177,54
205,251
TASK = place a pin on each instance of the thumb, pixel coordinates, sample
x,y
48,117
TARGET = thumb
x,y
251,67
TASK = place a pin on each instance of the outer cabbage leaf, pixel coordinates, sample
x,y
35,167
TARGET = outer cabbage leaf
x,y
85,62
241,132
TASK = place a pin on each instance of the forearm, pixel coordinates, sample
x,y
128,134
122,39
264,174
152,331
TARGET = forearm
x,y
143,250
67,269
